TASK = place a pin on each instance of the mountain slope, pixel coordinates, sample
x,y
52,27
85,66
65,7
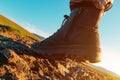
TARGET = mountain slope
x,y
41,37
18,61
14,29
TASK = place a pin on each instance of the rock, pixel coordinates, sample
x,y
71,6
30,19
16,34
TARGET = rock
x,y
9,43
4,55
18,61
63,70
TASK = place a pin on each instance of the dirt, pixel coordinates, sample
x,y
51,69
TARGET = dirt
x,y
19,62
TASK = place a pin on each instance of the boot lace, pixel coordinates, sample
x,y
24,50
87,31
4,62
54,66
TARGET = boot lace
x,y
64,20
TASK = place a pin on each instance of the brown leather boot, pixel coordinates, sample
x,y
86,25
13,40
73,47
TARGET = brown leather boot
x,y
78,38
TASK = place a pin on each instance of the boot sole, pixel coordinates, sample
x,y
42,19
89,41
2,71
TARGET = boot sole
x,y
91,54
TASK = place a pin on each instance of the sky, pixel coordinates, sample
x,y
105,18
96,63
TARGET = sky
x,y
44,17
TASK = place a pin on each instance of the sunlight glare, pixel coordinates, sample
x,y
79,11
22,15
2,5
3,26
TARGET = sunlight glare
x,y
110,60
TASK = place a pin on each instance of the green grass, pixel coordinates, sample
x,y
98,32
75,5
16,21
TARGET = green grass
x,y
17,28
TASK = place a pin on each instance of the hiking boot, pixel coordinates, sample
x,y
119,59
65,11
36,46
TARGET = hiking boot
x,y
78,38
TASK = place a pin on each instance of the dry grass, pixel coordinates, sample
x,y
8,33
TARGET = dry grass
x,y
17,28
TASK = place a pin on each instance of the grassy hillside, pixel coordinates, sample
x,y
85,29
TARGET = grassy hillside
x,y
5,22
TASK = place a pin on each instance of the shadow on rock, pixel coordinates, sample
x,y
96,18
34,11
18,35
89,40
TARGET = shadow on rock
x,y
7,44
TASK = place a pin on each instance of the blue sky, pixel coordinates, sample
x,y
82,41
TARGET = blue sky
x,y
45,16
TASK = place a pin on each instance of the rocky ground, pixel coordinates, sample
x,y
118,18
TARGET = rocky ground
x,y
18,61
